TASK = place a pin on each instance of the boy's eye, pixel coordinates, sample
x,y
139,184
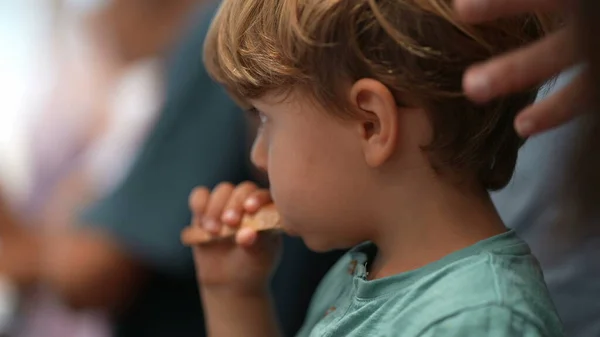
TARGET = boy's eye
x,y
261,116
255,113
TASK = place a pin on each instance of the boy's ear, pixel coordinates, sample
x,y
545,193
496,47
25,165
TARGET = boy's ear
x,y
378,125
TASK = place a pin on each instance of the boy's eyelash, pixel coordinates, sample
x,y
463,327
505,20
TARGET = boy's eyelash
x,y
257,114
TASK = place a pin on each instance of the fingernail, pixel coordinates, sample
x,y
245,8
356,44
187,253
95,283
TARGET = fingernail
x,y
251,202
478,85
230,215
211,225
525,127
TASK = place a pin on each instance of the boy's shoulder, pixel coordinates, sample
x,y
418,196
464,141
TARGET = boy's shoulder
x,y
491,293
493,288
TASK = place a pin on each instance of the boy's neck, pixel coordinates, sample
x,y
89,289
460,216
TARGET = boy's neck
x,y
425,219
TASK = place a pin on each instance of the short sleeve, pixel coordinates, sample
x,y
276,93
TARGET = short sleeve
x,y
200,139
488,321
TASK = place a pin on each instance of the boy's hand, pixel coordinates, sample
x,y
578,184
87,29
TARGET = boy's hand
x,y
242,266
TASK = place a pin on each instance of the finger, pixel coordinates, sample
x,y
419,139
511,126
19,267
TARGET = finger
x,y
477,11
257,200
258,243
234,209
218,199
521,69
198,201
194,235
557,109
246,237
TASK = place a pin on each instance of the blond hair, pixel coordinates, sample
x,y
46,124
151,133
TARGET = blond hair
x,y
414,47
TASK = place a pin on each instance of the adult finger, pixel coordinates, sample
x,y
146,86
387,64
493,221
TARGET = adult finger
x,y
521,69
477,11
557,109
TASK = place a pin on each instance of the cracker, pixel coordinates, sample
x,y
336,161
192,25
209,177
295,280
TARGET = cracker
x,y
267,218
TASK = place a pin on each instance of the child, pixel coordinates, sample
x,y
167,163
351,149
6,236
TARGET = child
x,y
368,142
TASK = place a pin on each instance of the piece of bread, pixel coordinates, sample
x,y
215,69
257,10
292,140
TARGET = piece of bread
x,y
267,218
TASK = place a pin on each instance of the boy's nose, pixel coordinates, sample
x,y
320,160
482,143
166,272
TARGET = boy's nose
x,y
259,153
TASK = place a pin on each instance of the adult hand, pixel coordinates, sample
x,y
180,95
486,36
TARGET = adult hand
x,y
528,66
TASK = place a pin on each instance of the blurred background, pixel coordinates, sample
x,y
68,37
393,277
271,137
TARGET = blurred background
x,y
56,64
25,79
76,106
108,120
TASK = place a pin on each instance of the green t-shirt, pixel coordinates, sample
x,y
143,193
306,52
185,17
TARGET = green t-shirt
x,y
494,288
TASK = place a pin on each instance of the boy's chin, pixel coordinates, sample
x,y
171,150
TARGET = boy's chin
x,y
319,246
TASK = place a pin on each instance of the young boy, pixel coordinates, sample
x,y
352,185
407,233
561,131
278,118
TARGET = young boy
x,y
368,142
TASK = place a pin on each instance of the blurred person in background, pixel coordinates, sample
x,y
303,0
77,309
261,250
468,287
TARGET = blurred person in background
x,y
97,113
123,255
554,196
107,68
